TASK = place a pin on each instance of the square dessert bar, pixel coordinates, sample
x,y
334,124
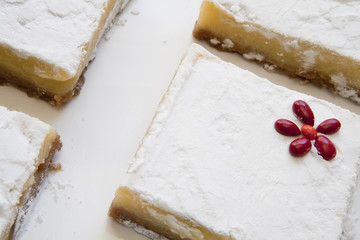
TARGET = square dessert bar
x,y
212,165
315,40
27,146
45,46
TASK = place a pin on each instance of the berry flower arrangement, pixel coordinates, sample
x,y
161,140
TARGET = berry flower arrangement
x,y
302,145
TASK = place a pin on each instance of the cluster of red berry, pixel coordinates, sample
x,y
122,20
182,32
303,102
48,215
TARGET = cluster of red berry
x,y
300,146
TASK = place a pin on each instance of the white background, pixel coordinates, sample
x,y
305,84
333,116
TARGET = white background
x,y
102,127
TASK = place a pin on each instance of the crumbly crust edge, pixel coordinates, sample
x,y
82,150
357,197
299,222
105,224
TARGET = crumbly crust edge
x,y
128,219
32,90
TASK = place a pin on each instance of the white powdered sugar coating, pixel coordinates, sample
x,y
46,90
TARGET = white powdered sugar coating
x,y
21,138
334,24
141,230
343,89
254,56
212,156
227,43
55,31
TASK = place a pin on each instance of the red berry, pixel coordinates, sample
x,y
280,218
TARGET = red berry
x,y
329,126
287,128
309,132
303,112
325,147
299,147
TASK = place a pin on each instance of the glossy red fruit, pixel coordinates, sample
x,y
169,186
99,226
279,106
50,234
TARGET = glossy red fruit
x,y
300,146
329,126
325,147
303,112
287,127
308,131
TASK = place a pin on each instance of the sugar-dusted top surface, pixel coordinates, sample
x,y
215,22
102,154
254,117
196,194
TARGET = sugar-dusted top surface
x,y
55,31
212,155
333,24
21,138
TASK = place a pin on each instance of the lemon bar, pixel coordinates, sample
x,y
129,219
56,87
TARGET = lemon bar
x,y
212,166
45,46
315,40
27,146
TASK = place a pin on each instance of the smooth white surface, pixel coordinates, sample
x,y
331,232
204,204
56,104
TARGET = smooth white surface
x,y
102,127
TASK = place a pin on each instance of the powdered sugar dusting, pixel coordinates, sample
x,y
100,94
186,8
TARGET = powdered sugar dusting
x,y
330,23
227,43
141,230
254,56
